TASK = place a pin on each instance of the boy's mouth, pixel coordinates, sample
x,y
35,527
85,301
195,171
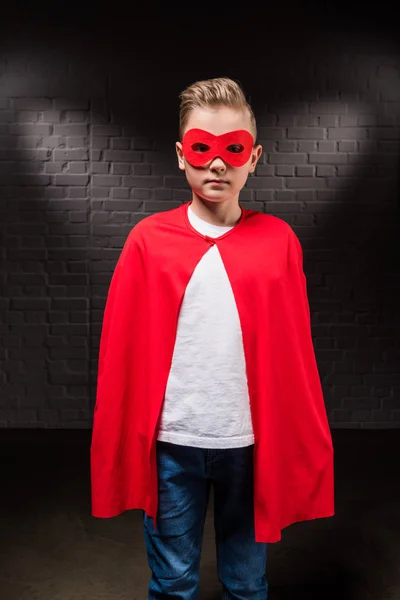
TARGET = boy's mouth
x,y
219,181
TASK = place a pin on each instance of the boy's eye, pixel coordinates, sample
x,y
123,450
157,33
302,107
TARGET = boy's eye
x,y
200,147
235,148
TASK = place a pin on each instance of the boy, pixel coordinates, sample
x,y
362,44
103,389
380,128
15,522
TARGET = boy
x,y
207,373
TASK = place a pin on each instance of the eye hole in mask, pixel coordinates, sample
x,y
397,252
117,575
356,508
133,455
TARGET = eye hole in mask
x,y
200,147
235,148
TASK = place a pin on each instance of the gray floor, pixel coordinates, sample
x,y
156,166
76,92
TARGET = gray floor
x,y
52,549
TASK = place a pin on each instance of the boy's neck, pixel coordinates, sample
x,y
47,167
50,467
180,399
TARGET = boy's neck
x,y
226,214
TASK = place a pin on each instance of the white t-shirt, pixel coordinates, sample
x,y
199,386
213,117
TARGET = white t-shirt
x,y
206,402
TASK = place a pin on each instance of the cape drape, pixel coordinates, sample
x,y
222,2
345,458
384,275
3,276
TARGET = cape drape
x,y
293,451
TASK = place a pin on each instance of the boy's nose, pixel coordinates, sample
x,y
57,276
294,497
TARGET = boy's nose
x,y
217,163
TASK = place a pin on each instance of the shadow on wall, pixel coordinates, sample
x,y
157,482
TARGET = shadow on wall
x,y
357,287
87,150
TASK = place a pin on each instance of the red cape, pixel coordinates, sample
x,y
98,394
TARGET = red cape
x,y
293,453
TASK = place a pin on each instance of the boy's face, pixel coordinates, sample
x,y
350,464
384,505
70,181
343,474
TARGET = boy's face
x,y
218,121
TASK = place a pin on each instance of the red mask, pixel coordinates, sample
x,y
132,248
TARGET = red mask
x,y
234,147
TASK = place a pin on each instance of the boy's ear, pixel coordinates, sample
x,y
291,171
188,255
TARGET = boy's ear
x,y
179,153
256,153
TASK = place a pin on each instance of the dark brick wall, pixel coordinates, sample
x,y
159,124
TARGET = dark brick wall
x,y
87,132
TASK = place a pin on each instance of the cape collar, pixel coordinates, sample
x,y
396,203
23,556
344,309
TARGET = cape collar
x,y
188,224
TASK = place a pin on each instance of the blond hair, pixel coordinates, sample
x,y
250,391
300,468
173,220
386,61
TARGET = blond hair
x,y
213,92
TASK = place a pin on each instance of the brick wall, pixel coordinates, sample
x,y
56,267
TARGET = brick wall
x,y
87,150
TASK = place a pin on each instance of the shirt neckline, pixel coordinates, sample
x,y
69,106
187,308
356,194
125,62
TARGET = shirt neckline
x,y
209,237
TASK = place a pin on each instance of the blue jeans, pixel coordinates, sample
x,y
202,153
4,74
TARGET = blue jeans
x,y
185,475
